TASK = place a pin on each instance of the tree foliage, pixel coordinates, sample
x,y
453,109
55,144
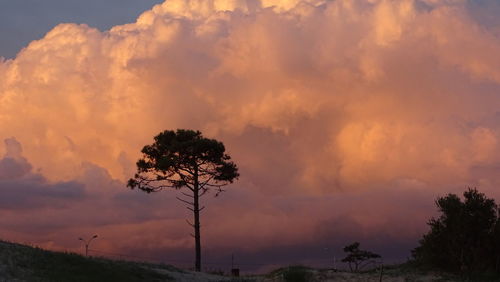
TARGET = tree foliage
x,y
466,235
358,259
184,159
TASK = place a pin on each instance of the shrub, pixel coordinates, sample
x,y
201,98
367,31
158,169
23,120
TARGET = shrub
x,y
297,274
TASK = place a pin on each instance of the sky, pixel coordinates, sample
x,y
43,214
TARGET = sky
x,y
23,21
346,118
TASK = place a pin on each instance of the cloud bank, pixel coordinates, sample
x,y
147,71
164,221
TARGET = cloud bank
x,y
347,118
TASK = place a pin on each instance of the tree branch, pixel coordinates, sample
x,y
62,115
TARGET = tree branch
x,y
187,195
203,191
219,191
184,201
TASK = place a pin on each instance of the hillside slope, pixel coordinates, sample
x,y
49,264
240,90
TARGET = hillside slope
x,y
19,263
24,263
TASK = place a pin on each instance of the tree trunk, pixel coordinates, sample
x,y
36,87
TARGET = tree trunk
x,y
196,211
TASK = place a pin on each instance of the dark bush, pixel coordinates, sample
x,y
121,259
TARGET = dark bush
x,y
297,274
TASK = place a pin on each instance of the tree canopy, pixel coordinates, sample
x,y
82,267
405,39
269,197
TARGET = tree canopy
x,y
183,158
466,235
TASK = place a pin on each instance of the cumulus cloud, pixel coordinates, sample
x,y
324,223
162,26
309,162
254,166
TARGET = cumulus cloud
x,y
23,189
364,101
13,164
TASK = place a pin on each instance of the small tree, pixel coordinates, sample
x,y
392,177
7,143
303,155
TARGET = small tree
x,y
356,258
185,160
465,237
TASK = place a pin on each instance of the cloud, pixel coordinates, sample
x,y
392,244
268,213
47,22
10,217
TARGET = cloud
x,y
23,189
333,110
13,164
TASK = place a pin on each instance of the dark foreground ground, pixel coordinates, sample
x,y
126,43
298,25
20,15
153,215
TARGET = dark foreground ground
x,y
25,263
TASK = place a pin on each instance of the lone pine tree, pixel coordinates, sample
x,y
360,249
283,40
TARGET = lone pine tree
x,y
184,160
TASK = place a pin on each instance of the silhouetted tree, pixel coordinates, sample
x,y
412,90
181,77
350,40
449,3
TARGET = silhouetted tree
x,y
465,237
356,258
496,244
185,160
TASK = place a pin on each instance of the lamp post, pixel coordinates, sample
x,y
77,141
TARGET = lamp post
x,y
87,243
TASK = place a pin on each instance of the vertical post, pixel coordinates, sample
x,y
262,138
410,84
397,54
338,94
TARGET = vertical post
x,y
234,271
381,272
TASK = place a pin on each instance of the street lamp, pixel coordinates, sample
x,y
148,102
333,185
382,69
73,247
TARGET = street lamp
x,y
87,243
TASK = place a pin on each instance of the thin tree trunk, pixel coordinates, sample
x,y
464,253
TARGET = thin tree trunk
x,y
196,211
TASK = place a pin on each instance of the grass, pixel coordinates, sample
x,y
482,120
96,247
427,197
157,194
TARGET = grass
x,y
24,263
295,273
416,270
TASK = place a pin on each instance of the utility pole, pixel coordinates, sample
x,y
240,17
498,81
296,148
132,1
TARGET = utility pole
x,y
381,269
87,243
234,271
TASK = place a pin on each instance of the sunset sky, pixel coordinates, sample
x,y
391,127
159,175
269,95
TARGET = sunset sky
x,y
347,118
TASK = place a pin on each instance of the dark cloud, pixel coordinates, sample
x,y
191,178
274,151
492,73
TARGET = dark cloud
x,y
20,188
34,192
11,168
13,164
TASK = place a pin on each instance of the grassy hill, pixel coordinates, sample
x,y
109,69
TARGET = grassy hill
x,y
24,263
